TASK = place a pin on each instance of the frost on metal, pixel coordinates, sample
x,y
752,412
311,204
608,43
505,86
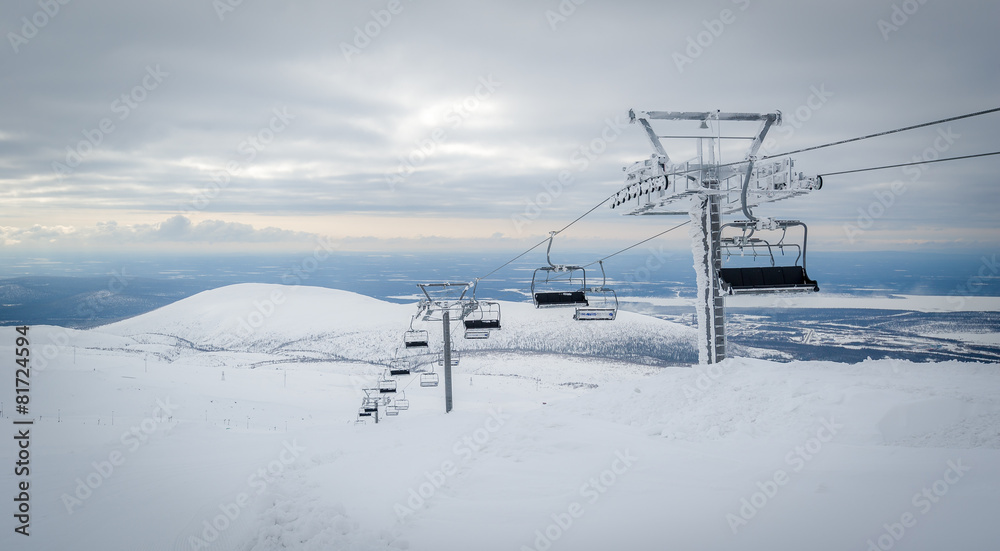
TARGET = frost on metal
x,y
700,252
706,189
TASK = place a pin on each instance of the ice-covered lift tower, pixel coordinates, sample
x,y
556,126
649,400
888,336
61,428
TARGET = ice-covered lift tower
x,y
706,188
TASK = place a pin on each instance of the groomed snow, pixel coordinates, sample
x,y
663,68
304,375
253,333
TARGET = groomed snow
x,y
259,450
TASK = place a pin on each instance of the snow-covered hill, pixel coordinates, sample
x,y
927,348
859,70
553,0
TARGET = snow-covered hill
x,y
155,433
313,322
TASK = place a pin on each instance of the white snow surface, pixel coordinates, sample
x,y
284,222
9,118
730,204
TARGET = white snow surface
x,y
544,450
916,303
318,323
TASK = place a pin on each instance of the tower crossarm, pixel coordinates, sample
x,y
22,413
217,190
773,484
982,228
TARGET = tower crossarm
x,y
657,185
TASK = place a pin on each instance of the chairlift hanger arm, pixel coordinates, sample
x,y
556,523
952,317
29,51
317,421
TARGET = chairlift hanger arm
x,y
548,251
772,118
548,257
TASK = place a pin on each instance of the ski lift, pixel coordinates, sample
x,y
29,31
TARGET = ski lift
x,y
391,411
603,302
386,385
415,338
429,379
486,314
477,334
363,412
544,292
454,358
401,402
771,277
369,404
399,367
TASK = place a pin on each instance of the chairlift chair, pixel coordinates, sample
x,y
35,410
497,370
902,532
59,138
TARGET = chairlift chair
x,y
363,412
429,379
771,277
477,334
543,291
386,385
370,405
454,358
399,367
391,411
415,338
486,314
401,402
603,302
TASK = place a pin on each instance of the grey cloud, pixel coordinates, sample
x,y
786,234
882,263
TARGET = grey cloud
x,y
176,229
355,119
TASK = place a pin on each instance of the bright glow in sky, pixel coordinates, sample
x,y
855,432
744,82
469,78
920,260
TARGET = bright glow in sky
x,y
439,124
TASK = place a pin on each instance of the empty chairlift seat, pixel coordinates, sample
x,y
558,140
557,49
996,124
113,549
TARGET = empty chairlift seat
x,y
415,339
758,240
477,334
763,279
399,367
595,314
602,303
429,379
386,386
559,284
485,316
401,402
483,319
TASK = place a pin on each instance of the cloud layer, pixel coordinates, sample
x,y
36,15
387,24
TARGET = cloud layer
x,y
446,109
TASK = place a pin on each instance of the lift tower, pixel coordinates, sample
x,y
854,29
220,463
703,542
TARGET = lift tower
x,y
446,302
705,188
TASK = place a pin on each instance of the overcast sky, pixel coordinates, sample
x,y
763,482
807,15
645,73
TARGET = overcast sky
x,y
421,124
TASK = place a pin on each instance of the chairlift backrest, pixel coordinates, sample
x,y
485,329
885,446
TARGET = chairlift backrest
x,y
559,298
597,314
477,334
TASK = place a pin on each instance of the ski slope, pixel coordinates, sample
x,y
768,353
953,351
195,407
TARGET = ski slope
x,y
565,435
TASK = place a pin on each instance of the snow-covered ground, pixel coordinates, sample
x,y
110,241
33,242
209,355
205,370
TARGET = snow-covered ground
x,y
915,303
227,421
